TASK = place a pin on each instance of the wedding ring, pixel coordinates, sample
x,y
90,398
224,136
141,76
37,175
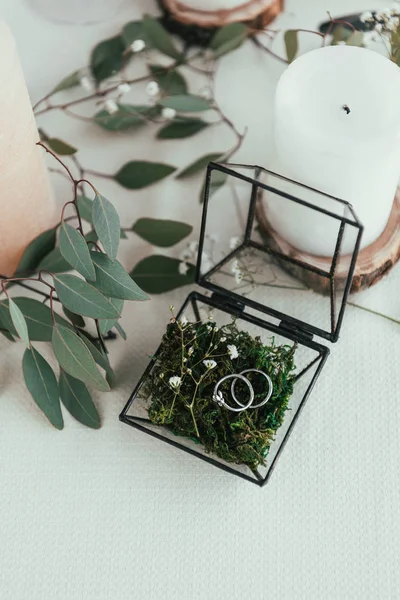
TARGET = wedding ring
x,y
267,397
219,398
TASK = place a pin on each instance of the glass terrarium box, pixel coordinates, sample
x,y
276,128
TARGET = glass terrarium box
x,y
239,359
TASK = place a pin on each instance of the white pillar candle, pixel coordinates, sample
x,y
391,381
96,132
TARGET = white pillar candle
x,y
26,203
337,129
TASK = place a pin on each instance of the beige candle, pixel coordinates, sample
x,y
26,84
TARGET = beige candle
x,y
26,202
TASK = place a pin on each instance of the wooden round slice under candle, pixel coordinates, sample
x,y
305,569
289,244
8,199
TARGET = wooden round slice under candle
x,y
196,25
373,262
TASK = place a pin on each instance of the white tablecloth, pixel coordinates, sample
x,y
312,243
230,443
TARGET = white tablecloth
x,y
114,514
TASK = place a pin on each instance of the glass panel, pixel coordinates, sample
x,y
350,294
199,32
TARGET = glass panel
x,y
274,242
307,359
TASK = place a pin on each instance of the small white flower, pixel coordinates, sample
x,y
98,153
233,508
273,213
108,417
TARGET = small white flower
x,y
184,360
191,350
186,254
152,89
175,382
341,43
366,16
206,263
111,106
209,328
161,375
124,88
371,36
233,352
215,329
234,242
223,339
210,364
378,27
168,113
184,321
87,84
206,93
183,268
189,371
138,46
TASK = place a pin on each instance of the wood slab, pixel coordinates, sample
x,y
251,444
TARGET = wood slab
x,y
258,13
374,261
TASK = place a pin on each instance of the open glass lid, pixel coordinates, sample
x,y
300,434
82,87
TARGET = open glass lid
x,y
278,246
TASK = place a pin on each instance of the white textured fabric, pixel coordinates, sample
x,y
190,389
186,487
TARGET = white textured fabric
x,y
116,515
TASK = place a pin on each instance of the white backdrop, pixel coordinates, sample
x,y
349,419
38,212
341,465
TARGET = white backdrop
x,y
116,515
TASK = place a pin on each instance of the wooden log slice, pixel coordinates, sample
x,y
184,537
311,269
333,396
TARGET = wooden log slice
x,y
197,26
374,261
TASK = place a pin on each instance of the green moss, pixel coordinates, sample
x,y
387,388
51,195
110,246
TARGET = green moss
x,y
189,411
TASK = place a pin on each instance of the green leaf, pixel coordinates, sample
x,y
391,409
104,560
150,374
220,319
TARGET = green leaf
x,y
159,37
138,174
75,319
36,251
75,358
181,129
107,58
74,249
113,280
60,147
54,262
37,316
135,31
107,324
161,232
218,179
356,39
228,38
98,356
85,207
107,225
19,322
186,103
77,400
42,384
121,331
157,274
291,44
5,318
68,82
82,298
171,82
199,165
128,116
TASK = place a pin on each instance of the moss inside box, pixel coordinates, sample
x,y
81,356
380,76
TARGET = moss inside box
x,y
193,357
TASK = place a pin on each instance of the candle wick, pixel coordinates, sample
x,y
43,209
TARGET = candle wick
x,y
346,109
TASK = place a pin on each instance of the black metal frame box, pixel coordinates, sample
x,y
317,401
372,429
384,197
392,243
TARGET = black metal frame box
x,y
231,244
